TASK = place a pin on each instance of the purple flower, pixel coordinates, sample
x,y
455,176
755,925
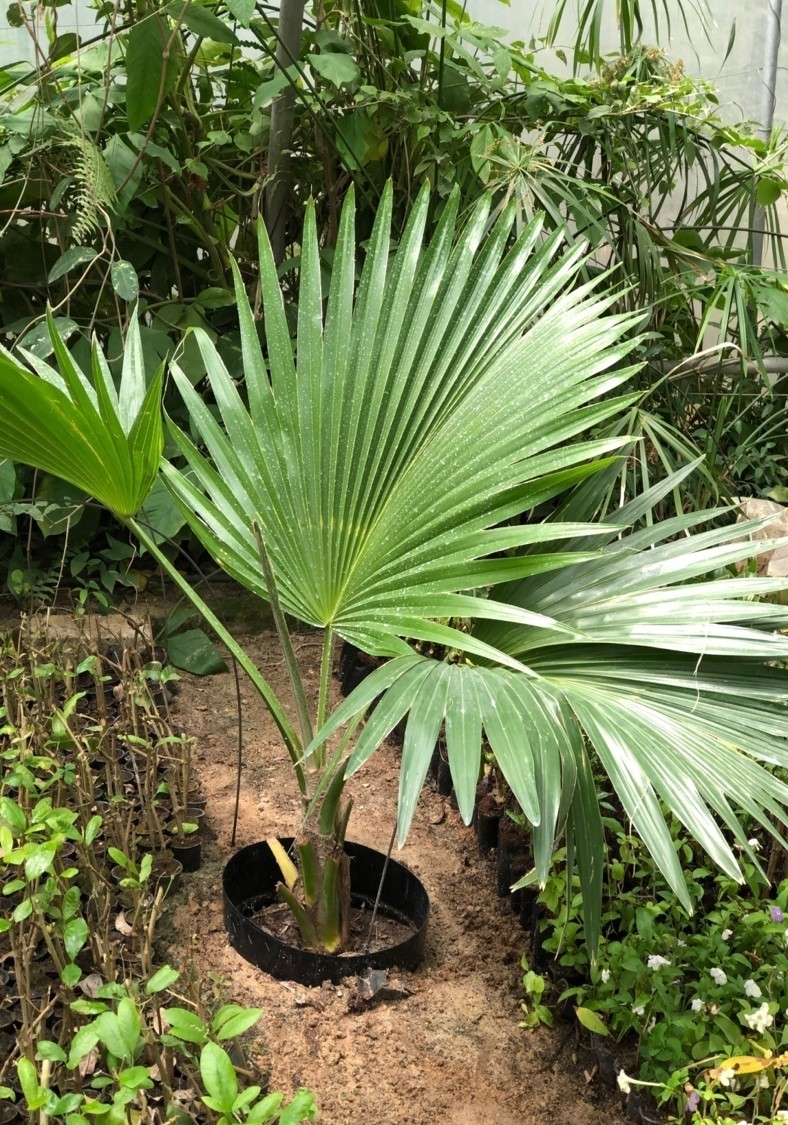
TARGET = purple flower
x,y
693,1101
777,914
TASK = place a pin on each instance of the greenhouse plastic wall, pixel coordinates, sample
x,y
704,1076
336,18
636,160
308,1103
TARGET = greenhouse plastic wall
x,y
740,79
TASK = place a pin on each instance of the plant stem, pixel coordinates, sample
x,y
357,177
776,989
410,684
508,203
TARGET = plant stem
x,y
326,662
296,683
289,735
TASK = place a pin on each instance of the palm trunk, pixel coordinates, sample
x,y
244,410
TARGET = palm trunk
x,y
288,51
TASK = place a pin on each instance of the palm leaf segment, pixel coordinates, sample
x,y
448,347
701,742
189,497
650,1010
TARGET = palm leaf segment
x,y
662,676
104,439
431,402
441,397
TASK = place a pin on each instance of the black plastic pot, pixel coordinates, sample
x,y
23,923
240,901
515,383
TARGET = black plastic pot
x,y
488,819
187,850
249,882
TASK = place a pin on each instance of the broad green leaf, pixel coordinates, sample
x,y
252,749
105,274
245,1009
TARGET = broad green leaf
x,y
267,91
39,341
28,1080
161,515
70,260
202,21
218,1076
124,280
768,190
336,67
186,1025
75,934
241,10
129,1023
236,1022
13,815
71,975
591,1021
193,651
161,980
108,1031
301,1108
149,76
40,859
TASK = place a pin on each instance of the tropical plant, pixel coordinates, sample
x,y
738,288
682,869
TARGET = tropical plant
x,y
377,484
131,160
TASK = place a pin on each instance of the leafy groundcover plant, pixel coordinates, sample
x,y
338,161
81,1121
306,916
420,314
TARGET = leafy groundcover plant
x,y
375,481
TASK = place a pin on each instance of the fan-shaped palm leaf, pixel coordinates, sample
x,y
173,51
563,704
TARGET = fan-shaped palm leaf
x,y
443,397
106,441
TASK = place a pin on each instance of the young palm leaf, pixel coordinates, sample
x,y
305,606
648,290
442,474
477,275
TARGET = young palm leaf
x,y
104,440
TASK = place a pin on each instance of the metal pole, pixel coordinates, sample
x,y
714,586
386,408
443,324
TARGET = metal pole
x,y
277,192
771,48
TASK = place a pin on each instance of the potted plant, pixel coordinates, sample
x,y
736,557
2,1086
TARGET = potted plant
x,y
379,479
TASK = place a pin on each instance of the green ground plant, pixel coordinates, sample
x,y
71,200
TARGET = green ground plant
x,y
113,1035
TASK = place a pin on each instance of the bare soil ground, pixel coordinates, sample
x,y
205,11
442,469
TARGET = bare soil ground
x,y
452,1051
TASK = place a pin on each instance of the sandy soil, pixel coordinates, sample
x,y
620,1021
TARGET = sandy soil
x,y
450,1052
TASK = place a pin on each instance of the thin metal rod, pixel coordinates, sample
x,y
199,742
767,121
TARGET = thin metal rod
x,y
771,50
380,887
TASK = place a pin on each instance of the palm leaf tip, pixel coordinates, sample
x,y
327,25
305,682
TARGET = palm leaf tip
x,y
107,443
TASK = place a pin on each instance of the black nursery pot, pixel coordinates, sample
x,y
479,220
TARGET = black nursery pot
x,y
249,883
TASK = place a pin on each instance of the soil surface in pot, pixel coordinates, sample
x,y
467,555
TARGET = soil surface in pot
x,y
451,1050
277,919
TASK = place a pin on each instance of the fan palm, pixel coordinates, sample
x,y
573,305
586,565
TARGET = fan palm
x,y
371,483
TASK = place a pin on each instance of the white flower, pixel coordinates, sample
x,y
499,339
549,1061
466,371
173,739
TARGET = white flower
x,y
726,934
719,976
751,989
604,976
639,1010
713,1009
760,1019
697,1005
726,1076
624,1082
781,1115
754,844
655,962
680,943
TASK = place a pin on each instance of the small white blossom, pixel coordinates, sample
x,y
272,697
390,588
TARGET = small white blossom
x,y
713,1009
681,943
639,1010
624,1082
781,1115
604,976
754,844
656,961
697,1004
760,1019
763,1082
726,934
751,989
726,1076
719,976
